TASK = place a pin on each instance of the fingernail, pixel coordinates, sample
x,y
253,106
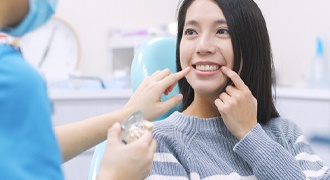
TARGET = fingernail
x,y
116,124
180,97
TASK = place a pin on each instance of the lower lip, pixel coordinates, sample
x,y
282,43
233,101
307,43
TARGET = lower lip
x,y
206,73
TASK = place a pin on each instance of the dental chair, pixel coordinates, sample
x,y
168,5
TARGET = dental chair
x,y
156,54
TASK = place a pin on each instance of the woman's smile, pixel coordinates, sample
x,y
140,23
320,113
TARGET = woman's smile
x,y
206,68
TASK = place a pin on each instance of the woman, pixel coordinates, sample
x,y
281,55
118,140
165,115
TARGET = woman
x,y
229,127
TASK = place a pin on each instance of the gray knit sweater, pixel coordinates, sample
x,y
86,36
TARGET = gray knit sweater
x,y
196,148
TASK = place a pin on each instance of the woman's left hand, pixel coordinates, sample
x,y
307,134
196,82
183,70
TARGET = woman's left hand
x,y
237,105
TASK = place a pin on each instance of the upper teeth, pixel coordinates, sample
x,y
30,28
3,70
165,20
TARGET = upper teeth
x,y
207,67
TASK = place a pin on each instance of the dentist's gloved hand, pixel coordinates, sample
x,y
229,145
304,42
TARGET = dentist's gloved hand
x,y
147,97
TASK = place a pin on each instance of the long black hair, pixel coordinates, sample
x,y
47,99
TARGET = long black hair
x,y
250,41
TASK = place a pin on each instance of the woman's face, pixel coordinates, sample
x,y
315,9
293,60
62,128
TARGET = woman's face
x,y
206,46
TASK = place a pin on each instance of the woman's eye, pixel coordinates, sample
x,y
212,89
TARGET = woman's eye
x,y
190,32
223,31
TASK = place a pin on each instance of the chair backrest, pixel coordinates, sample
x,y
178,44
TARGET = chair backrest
x,y
156,54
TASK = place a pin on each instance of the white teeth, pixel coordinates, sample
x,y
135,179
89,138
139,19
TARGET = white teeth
x,y
207,67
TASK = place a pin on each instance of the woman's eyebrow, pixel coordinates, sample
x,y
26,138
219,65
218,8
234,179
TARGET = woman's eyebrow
x,y
217,22
220,22
192,22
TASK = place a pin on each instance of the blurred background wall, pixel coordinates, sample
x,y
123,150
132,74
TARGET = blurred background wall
x,y
293,27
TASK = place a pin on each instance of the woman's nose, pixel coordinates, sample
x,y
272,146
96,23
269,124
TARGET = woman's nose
x,y
205,45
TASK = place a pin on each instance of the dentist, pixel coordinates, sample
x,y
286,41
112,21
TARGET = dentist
x,y
29,148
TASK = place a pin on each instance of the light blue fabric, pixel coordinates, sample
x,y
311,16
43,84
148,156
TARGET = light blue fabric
x,y
28,147
39,13
153,55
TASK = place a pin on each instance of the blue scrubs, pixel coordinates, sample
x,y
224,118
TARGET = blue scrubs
x,y
28,147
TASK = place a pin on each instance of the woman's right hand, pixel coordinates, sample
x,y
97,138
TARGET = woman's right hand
x,y
147,97
131,161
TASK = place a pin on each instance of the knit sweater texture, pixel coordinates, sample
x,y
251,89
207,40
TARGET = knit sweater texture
x,y
203,148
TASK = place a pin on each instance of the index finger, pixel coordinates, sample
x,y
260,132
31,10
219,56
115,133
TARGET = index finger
x,y
238,82
172,79
179,75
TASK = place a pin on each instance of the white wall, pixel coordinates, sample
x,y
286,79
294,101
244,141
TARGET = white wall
x,y
93,20
293,26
